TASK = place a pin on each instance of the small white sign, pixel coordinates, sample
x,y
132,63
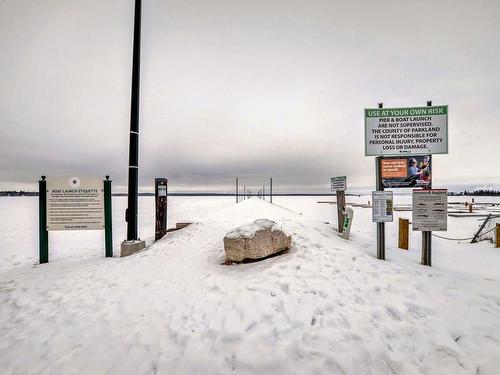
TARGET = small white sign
x,y
339,183
162,191
75,203
382,206
430,210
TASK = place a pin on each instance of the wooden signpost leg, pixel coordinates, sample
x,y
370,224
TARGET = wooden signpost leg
x,y
340,209
42,221
161,186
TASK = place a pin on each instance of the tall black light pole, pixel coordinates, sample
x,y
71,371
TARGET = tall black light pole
x,y
133,165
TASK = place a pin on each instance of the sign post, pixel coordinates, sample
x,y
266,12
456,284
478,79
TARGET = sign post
x,y
43,238
108,218
161,207
379,187
339,185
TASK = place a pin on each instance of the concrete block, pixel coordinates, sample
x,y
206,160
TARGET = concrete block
x,y
129,247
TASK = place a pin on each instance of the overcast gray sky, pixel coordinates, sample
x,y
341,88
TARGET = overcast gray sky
x,y
248,88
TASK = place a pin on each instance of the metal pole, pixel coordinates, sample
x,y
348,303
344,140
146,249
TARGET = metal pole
x,y
427,235
380,226
264,192
133,169
271,190
42,222
108,218
237,188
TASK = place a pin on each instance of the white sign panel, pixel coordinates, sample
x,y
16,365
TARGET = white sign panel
x,y
339,183
382,207
162,191
400,131
430,210
75,203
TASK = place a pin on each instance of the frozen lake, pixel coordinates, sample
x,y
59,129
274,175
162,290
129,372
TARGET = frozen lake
x,y
19,228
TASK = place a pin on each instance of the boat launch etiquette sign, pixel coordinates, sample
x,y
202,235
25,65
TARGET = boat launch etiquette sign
x,y
75,203
413,130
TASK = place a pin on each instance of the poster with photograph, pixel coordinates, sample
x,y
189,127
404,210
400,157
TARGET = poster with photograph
x,y
406,171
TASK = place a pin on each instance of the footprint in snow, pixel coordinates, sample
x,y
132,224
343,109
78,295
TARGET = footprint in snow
x,y
285,287
393,313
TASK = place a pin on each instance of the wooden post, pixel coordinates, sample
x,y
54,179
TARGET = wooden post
x,y
42,222
470,208
108,218
403,239
340,209
161,185
497,235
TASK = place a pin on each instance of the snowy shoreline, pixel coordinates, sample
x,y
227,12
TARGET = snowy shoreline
x,y
325,307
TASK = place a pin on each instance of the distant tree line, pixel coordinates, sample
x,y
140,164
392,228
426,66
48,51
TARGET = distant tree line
x,y
483,192
13,193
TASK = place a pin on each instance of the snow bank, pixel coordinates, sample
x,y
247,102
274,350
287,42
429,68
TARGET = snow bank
x,y
325,307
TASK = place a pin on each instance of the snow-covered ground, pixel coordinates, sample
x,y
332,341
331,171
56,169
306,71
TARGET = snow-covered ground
x,y
325,307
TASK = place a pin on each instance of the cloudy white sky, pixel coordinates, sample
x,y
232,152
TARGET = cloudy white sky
x,y
249,88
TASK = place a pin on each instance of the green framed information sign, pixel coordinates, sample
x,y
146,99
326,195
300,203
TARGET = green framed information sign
x,y
406,131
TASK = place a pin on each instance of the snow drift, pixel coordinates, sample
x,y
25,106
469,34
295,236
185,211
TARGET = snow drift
x,y
325,307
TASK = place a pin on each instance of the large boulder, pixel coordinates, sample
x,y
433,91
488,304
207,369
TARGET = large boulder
x,y
255,240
